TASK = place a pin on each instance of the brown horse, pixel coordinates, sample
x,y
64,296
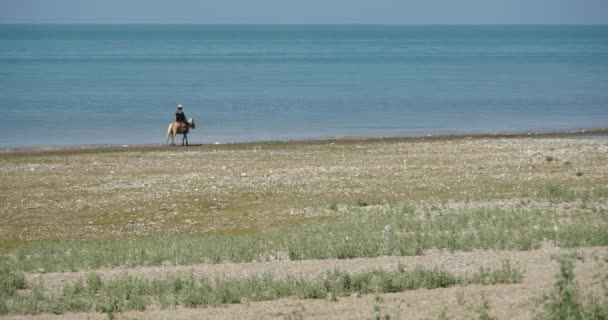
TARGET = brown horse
x,y
176,128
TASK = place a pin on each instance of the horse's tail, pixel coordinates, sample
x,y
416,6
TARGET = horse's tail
x,y
169,131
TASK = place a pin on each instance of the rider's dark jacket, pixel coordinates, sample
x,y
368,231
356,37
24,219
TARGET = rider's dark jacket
x,y
180,116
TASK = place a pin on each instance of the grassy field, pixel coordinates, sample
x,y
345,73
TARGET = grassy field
x,y
364,232
122,208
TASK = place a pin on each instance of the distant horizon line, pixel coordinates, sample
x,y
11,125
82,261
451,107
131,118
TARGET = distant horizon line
x,y
301,24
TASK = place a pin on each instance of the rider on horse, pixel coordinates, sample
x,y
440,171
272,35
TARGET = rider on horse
x,y
180,117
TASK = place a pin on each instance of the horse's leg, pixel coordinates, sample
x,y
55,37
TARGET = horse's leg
x,y
186,138
175,133
169,131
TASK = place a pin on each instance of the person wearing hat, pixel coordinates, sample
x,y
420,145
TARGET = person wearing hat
x,y
180,117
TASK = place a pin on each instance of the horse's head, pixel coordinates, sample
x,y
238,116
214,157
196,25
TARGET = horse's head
x,y
191,123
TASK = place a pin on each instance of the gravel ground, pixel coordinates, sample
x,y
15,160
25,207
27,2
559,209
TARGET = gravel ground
x,y
125,192
91,193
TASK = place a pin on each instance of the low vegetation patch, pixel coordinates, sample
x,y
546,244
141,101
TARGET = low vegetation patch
x,y
397,230
392,229
135,293
10,282
557,193
565,301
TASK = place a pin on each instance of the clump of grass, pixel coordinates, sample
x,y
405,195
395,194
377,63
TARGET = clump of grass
x,y
565,303
378,312
506,274
135,293
362,203
443,315
460,299
10,281
549,158
333,206
557,193
579,173
408,208
483,312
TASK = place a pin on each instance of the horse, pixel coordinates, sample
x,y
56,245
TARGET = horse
x,y
176,128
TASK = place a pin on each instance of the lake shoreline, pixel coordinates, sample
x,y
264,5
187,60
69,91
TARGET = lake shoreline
x,y
77,149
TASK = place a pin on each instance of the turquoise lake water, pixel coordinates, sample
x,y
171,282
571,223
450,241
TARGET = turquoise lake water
x,y
120,84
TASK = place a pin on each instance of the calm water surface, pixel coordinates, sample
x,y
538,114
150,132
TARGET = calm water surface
x,y
120,84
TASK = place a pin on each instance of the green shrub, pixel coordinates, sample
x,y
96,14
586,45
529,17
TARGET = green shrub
x,y
565,303
483,312
3,306
10,281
